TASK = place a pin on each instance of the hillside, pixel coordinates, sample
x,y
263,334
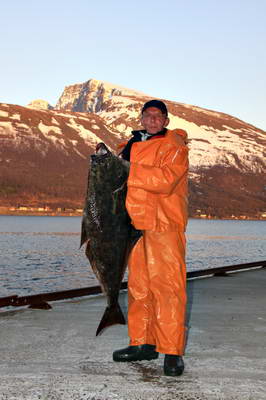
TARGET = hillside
x,y
44,153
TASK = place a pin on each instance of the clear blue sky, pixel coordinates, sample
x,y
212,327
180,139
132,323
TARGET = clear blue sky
x,y
210,53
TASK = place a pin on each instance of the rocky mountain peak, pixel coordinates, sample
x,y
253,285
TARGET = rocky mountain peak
x,y
91,95
40,104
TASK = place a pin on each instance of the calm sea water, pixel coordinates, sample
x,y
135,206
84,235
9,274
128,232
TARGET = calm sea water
x,y
41,254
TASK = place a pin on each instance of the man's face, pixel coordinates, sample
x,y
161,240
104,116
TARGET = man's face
x,y
153,120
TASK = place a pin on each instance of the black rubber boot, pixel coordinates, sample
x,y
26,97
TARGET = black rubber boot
x,y
173,365
136,353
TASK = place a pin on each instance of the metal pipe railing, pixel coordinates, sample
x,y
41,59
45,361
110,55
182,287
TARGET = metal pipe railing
x,y
41,300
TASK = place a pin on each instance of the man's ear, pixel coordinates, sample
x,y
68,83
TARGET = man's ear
x,y
166,122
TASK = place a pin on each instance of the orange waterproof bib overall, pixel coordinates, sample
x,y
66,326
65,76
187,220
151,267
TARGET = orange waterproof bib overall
x,y
157,292
157,204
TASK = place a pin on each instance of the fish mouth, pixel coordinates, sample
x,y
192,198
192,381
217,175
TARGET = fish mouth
x,y
101,149
101,154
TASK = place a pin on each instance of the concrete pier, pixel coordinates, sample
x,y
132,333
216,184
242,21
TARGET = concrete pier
x,y
54,354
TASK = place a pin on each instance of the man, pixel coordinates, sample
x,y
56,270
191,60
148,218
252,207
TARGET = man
x,y
157,204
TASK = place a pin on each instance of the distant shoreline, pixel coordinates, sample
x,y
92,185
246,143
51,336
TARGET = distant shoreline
x,y
42,214
79,214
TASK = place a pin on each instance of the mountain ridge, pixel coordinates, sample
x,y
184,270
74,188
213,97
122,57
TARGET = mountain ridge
x,y
44,153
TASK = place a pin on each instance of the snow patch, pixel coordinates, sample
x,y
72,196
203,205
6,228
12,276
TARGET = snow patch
x,y
194,176
221,146
3,113
45,129
87,135
6,125
232,129
56,140
84,118
15,116
121,127
199,109
54,121
66,115
79,153
23,126
123,103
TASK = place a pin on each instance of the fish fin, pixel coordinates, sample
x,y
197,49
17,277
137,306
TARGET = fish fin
x,y
112,316
84,235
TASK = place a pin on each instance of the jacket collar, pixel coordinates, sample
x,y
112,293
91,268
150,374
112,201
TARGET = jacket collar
x,y
142,135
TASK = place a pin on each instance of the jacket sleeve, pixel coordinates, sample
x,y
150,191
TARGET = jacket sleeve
x,y
163,179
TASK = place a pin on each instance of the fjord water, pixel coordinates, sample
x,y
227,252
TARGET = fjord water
x,y
41,254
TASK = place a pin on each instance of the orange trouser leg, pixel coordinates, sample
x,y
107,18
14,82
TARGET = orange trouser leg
x,y
157,292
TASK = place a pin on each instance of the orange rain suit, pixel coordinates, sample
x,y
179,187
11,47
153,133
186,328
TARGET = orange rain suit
x,y
157,204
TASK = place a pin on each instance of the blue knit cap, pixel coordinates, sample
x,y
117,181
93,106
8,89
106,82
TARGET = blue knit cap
x,y
157,104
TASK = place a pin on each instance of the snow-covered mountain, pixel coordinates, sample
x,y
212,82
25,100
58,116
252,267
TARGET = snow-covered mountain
x,y
91,96
44,152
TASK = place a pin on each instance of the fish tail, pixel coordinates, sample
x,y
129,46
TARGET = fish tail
x,y
112,316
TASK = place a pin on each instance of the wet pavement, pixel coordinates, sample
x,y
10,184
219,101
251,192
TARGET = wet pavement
x,y
54,354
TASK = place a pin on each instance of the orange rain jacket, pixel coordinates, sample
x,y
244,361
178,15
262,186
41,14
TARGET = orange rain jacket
x,y
157,184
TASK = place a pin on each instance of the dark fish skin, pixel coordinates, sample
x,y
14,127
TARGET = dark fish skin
x,y
107,229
